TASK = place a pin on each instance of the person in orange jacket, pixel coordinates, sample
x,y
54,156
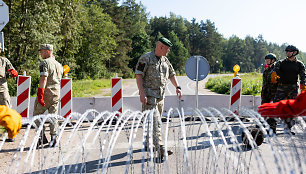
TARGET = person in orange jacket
x,y
5,98
285,108
10,120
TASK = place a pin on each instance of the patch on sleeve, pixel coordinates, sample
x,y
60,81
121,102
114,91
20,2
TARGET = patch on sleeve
x,y
141,66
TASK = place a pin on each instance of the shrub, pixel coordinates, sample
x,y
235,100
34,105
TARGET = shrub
x,y
251,84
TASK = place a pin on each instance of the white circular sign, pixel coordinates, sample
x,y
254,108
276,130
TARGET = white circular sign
x,y
4,14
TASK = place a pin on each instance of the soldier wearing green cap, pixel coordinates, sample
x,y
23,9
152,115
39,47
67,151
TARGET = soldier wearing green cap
x,y
49,90
152,72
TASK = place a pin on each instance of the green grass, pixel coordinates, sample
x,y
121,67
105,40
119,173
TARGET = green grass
x,y
88,88
251,84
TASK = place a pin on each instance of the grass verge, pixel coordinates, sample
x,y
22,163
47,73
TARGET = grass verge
x,y
88,88
251,84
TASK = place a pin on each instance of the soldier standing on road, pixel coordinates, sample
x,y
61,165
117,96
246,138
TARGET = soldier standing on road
x,y
5,98
268,88
48,92
286,73
152,72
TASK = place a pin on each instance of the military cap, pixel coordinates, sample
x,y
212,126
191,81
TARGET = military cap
x,y
165,41
46,47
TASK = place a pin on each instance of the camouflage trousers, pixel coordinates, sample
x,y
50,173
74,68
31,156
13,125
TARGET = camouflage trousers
x,y
52,107
5,99
157,104
284,92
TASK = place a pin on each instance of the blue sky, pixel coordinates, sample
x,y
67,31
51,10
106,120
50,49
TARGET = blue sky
x,y
279,21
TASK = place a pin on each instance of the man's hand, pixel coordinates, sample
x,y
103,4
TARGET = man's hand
x,y
13,72
143,98
40,96
274,77
179,92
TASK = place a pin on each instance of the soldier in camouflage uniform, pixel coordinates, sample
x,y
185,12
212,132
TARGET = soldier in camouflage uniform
x,y
152,72
286,73
5,98
268,88
6,66
49,90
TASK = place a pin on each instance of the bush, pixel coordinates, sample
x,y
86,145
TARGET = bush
x,y
87,88
251,84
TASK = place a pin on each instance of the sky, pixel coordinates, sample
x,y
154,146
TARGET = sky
x,y
278,21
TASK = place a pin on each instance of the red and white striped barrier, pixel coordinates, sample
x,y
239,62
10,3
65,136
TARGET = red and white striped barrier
x,y
235,100
66,96
23,95
116,94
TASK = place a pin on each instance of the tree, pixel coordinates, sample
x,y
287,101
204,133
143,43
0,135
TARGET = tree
x,y
97,44
141,44
212,45
178,54
196,37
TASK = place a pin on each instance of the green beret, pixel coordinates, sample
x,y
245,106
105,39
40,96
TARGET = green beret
x,y
46,47
165,41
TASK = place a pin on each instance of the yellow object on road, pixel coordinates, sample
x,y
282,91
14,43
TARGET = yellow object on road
x,y
10,120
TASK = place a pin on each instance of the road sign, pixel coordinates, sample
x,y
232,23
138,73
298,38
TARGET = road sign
x,y
191,68
197,68
4,14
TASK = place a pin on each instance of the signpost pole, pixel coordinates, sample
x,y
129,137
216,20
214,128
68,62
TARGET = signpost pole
x,y
197,82
4,18
196,68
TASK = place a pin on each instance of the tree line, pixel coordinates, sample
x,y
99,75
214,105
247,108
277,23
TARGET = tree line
x,y
98,38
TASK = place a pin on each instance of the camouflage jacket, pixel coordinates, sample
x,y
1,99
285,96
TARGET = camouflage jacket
x,y
53,70
268,88
5,65
156,71
288,71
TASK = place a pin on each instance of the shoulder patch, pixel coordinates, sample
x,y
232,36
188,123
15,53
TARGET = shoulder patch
x,y
141,66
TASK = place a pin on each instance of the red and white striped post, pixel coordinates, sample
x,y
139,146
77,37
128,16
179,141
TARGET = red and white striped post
x,y
236,95
23,94
236,86
116,94
66,94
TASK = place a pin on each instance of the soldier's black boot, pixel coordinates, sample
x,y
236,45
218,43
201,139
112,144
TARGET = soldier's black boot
x,y
161,153
289,123
42,140
273,124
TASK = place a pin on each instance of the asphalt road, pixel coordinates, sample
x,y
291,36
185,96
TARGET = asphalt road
x,y
188,86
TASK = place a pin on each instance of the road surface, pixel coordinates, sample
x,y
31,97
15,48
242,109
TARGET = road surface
x,y
188,86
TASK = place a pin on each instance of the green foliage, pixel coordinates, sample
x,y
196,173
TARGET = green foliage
x,y
98,43
219,85
99,38
178,54
251,84
12,86
88,88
